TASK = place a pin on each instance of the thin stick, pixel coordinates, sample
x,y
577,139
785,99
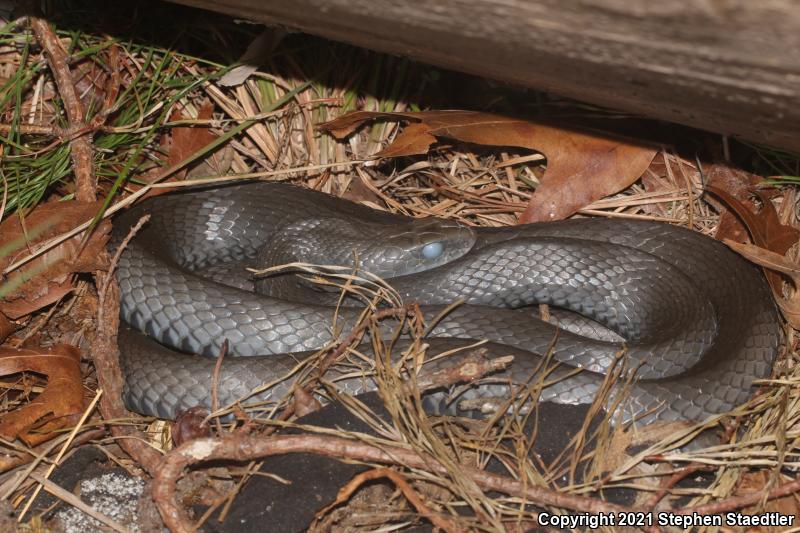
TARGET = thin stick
x,y
737,502
240,447
81,150
5,197
400,482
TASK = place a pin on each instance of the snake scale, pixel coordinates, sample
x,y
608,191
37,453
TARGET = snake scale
x,y
697,320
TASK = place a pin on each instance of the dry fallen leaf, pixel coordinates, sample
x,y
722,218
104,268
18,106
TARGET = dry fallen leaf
x,y
6,327
740,185
19,307
581,166
771,240
183,141
48,278
357,191
305,403
258,52
764,227
59,405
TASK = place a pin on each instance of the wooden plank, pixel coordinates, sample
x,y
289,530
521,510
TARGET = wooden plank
x,y
730,66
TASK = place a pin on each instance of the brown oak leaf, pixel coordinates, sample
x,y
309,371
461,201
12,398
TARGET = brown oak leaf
x,y
48,277
59,405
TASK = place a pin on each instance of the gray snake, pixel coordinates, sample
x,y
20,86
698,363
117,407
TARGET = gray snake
x,y
697,320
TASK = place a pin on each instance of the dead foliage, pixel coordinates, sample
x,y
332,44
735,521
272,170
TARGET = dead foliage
x,y
183,141
6,327
737,186
48,277
771,239
581,166
61,402
764,226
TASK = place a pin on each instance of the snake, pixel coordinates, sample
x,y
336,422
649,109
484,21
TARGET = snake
x,y
694,323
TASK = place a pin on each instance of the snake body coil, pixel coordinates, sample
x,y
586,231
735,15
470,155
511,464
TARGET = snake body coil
x,y
697,319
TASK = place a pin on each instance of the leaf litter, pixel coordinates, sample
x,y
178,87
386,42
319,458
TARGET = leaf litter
x,y
581,166
585,174
48,277
61,402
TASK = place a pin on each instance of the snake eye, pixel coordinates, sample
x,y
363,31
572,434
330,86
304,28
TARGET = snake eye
x,y
432,250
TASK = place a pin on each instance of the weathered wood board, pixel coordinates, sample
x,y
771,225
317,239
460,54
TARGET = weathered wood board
x,y
730,66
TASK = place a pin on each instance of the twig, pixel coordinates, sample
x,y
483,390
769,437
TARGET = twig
x,y
114,82
401,483
737,502
245,448
81,150
673,480
105,354
32,129
474,366
5,197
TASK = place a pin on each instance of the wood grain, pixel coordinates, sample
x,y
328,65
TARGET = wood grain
x,y
730,66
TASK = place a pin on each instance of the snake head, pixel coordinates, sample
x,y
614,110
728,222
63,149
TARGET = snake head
x,y
383,245
415,246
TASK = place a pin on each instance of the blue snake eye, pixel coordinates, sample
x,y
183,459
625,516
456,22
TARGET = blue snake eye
x,y
432,250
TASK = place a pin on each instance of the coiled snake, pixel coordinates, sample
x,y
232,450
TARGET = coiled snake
x,y
697,319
